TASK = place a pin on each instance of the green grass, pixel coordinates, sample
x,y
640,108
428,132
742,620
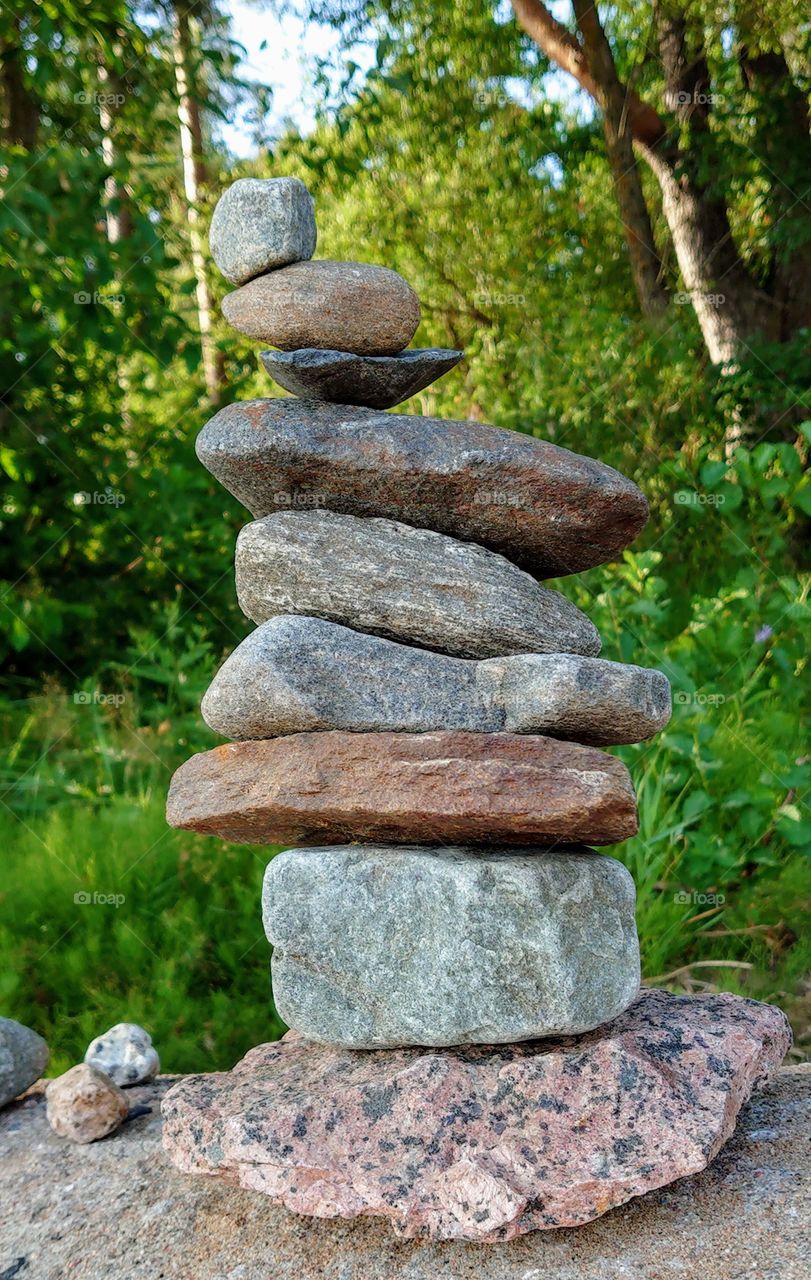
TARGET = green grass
x,y
174,940
109,916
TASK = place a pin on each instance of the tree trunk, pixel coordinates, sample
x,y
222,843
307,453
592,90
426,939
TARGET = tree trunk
x,y
729,306
118,212
20,109
194,175
784,145
645,263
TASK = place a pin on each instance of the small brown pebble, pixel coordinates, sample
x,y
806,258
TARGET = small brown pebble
x,y
84,1104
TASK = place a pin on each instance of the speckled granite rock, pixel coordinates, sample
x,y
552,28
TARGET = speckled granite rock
x,y
300,675
483,1144
348,306
84,1104
344,378
260,224
376,947
404,788
408,584
745,1216
546,509
23,1058
125,1053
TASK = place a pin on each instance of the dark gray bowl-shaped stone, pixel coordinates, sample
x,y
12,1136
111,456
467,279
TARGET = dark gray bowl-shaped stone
x,y
341,377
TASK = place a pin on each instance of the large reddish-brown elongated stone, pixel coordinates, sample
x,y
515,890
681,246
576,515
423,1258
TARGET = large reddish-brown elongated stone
x,y
413,788
483,1143
547,509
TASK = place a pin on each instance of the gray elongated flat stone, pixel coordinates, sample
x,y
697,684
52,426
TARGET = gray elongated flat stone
x,y
300,675
547,509
23,1058
345,378
381,946
406,584
261,224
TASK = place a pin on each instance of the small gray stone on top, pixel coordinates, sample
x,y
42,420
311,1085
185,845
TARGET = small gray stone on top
x,y
260,224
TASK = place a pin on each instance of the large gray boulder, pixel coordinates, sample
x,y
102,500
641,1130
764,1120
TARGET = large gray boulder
x,y
260,224
298,675
548,510
23,1058
379,946
405,584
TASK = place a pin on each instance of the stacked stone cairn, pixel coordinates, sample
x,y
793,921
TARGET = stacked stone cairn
x,y
470,1054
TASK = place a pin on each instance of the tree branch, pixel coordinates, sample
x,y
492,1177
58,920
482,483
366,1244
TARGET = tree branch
x,y
558,43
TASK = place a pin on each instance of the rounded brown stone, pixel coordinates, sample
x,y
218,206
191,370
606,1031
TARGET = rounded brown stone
x,y
412,788
348,306
84,1104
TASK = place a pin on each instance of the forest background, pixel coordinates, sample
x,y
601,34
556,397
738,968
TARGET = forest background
x,y
609,209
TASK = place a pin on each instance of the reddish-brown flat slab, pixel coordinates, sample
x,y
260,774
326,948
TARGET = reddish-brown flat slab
x,y
424,788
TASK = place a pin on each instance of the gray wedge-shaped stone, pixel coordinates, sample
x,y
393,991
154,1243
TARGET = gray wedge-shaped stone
x,y
301,675
379,946
345,378
403,583
547,509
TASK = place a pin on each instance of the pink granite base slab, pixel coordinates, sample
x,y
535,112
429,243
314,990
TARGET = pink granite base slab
x,y
483,1144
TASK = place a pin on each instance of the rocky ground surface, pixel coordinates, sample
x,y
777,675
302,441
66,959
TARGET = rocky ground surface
x,y
116,1209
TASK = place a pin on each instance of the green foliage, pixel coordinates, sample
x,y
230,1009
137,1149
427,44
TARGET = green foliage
x,y
109,916
450,164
